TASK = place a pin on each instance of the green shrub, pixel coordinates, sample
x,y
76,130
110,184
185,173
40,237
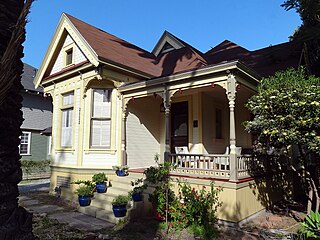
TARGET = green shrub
x,y
197,206
120,200
84,190
99,178
310,227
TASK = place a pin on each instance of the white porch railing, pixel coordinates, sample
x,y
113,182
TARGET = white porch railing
x,y
208,165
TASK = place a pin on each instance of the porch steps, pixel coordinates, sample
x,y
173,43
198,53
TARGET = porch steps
x,y
101,203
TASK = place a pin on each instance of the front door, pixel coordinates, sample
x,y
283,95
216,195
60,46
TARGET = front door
x,y
179,125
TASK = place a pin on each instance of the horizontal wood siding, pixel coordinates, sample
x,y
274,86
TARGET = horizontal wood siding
x,y
38,148
143,132
78,56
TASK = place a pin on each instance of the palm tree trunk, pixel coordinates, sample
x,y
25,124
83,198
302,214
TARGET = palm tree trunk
x,y
15,221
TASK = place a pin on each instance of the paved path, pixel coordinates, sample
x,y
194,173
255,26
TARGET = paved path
x,y
41,185
63,215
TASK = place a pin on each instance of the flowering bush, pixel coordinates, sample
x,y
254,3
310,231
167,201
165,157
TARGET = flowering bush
x,y
195,207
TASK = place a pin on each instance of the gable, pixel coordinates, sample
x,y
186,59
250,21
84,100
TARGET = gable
x,y
66,34
167,43
77,55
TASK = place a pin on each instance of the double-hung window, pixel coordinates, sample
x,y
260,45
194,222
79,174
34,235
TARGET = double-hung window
x,y
101,118
67,119
25,143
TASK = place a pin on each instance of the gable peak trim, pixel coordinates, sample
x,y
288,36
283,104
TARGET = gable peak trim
x,y
166,38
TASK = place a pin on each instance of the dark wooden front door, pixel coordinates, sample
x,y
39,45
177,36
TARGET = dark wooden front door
x,y
179,125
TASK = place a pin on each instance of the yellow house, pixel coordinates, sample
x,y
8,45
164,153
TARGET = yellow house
x,y
117,104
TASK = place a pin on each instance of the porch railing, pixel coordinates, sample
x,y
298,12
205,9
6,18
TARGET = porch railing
x,y
209,165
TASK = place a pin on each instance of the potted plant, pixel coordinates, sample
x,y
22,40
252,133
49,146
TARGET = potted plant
x,y
121,170
119,205
100,180
84,195
136,193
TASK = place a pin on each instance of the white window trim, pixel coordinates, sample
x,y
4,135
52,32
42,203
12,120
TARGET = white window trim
x,y
28,144
64,107
49,145
72,56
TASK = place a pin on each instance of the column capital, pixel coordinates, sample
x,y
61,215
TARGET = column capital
x,y
231,87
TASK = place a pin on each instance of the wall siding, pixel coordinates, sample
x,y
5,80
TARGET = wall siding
x,y
77,55
143,132
37,112
210,144
38,147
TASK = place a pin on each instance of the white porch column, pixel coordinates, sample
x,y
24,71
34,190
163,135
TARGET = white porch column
x,y
231,93
124,132
167,104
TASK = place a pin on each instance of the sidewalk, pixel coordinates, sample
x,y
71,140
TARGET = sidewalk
x,y
34,197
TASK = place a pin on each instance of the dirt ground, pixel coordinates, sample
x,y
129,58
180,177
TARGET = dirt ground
x,y
277,223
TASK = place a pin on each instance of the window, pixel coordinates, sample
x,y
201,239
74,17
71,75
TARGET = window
x,y
218,123
25,143
69,54
67,117
101,118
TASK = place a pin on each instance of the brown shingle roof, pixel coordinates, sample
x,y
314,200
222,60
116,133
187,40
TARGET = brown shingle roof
x,y
116,50
265,61
111,48
122,53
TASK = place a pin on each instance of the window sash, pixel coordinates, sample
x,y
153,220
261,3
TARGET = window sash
x,y
101,103
25,142
101,118
66,128
100,133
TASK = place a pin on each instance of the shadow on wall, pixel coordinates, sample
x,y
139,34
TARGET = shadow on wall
x,y
232,214
273,179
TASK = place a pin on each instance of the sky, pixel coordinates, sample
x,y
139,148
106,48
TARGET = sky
x,y
252,24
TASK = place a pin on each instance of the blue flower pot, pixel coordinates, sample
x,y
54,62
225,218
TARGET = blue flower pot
x,y
121,173
84,200
137,197
101,187
119,210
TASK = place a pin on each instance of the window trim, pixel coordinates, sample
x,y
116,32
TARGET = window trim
x,y
28,144
64,107
109,119
67,50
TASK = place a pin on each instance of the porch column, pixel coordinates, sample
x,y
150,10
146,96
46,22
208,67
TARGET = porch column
x,y
166,102
123,132
231,93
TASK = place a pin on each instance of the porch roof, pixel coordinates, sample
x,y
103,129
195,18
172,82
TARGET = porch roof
x,y
210,69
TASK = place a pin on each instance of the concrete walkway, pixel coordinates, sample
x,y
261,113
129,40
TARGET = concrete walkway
x,y
73,218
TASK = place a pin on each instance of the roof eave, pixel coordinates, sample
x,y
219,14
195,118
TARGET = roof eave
x,y
233,65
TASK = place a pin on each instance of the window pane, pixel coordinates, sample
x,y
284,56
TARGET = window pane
x,y
100,133
25,143
66,129
68,98
69,57
101,103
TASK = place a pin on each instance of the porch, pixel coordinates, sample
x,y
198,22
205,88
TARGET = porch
x,y
204,116
216,166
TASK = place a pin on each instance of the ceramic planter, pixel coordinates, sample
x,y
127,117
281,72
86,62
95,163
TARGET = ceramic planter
x,y
119,210
137,197
101,187
84,200
121,173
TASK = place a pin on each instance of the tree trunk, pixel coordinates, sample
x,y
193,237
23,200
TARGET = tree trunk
x,y
15,221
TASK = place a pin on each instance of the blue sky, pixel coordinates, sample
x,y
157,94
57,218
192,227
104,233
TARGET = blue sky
x,y
203,24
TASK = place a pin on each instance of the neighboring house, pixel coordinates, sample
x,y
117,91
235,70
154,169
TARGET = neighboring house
x,y
116,104
37,114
